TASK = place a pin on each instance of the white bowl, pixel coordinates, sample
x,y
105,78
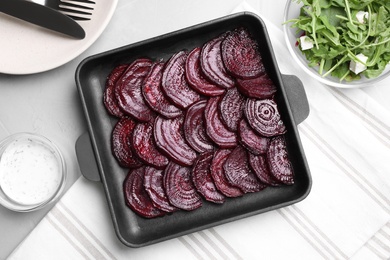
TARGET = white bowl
x,y
32,172
292,11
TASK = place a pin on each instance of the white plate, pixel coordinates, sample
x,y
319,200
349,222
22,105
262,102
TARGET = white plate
x,y
26,48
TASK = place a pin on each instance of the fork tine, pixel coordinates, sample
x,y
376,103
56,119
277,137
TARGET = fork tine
x,y
80,1
78,18
64,9
75,6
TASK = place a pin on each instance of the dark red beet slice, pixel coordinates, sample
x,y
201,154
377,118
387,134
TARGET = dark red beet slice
x,y
263,116
195,77
203,181
128,90
136,196
231,108
212,64
179,187
278,161
195,128
109,98
218,174
120,143
169,137
240,55
261,87
174,83
153,184
239,174
259,165
154,97
215,129
252,141
145,147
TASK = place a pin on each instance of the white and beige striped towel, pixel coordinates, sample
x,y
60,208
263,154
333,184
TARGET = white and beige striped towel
x,y
346,139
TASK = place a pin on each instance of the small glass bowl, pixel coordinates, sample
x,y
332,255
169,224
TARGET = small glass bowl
x,y
32,172
291,35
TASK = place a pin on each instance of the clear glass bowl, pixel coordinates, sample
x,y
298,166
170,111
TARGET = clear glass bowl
x,y
32,172
291,35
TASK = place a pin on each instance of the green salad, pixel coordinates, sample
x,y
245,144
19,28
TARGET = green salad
x,y
345,38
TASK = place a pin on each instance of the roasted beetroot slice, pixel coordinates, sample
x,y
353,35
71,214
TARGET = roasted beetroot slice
x,y
218,174
169,137
136,196
215,129
259,165
212,65
109,98
241,56
278,162
145,147
153,184
128,90
195,77
231,108
120,143
252,141
154,97
239,174
261,87
195,128
204,183
174,83
179,187
263,116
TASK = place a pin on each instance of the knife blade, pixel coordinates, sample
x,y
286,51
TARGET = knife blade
x,y
42,16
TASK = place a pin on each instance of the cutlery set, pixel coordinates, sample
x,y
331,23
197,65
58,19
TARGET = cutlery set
x,y
55,15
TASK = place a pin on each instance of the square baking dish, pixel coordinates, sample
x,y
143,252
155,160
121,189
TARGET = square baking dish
x,y
98,164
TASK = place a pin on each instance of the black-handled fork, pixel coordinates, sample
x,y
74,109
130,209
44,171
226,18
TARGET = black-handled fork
x,y
79,10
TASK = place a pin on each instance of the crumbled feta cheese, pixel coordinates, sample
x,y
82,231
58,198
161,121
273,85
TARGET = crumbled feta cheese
x,y
306,43
361,15
357,67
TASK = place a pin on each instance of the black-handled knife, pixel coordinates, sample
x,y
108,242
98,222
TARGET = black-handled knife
x,y
42,16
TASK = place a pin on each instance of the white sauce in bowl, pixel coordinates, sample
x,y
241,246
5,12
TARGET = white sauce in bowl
x,y
30,172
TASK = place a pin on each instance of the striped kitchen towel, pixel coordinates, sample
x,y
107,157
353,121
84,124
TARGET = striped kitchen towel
x,y
346,139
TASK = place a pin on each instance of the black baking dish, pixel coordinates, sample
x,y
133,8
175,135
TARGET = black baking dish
x,y
94,149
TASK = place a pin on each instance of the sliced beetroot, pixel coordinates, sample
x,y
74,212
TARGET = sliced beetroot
x,y
153,184
263,116
120,143
215,129
128,90
212,64
174,83
203,181
195,77
154,97
179,187
195,128
145,147
241,56
109,98
169,137
239,174
261,87
231,108
252,141
259,165
278,162
136,196
218,174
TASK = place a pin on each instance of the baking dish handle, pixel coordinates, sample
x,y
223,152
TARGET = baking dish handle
x,y
86,158
297,98
295,94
